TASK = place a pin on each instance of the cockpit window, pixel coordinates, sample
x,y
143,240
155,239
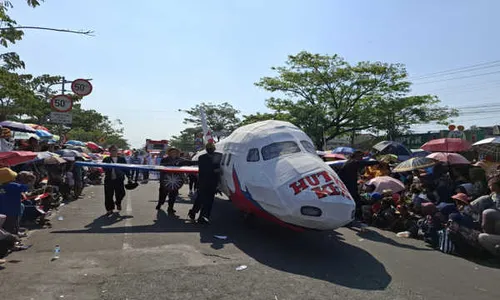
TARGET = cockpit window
x,y
253,155
277,149
308,146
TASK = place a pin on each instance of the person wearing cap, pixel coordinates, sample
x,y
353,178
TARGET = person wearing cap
x,y
114,181
10,199
208,180
170,183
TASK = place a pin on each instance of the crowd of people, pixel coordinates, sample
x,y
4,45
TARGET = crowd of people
x,y
453,208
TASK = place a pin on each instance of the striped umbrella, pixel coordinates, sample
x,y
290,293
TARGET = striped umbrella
x,y
415,163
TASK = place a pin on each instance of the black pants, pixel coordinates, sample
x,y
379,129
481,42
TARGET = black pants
x,y
145,175
11,224
163,193
113,187
193,183
204,201
134,174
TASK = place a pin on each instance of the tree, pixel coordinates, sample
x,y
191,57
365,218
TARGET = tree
x,y
249,119
327,97
186,139
11,32
396,115
221,118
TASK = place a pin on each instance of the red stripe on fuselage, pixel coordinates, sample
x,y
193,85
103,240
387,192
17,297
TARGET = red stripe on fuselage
x,y
245,204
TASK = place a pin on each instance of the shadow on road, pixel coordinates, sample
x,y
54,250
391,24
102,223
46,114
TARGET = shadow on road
x,y
320,255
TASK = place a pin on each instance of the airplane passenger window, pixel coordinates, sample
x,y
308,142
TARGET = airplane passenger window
x,y
228,159
253,155
308,146
277,149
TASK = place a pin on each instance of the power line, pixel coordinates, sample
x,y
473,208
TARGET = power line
x,y
457,78
484,65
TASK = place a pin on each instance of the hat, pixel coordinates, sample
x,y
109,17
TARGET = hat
x,y
376,196
7,175
461,197
173,149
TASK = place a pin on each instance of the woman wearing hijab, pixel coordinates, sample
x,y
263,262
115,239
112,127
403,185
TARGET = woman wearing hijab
x,y
114,181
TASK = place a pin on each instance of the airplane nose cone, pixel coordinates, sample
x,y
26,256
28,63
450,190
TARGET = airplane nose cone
x,y
314,195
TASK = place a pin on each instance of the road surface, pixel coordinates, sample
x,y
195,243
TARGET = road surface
x,y
145,254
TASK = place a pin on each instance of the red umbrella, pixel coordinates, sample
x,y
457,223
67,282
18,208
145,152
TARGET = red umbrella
x,y
449,158
12,158
38,127
94,146
334,156
447,145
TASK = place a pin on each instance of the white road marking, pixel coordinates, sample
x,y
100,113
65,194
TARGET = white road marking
x,y
128,223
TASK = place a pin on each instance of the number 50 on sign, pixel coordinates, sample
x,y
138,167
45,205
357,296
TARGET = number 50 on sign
x,y
61,103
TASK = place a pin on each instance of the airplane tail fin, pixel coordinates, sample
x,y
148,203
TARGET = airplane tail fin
x,y
207,135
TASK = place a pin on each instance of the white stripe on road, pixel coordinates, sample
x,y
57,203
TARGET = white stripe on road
x,y
128,223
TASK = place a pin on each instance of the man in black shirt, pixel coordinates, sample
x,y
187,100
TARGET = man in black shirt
x,y
208,180
170,183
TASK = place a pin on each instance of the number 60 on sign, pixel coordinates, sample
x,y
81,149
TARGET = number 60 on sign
x,y
61,103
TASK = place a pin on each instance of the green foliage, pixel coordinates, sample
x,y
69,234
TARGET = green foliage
x,y
9,33
221,118
249,119
186,138
328,97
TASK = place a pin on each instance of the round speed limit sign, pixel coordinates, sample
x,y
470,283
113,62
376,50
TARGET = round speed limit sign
x,y
81,87
61,103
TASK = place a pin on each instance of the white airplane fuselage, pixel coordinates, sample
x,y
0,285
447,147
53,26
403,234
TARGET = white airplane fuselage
x,y
271,169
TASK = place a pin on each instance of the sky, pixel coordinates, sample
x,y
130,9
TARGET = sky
x,y
150,58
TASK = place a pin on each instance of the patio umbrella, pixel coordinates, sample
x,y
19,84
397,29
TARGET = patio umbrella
x,y
46,154
415,164
16,126
419,153
334,156
489,146
343,150
36,127
43,134
446,145
12,158
449,158
386,183
76,143
390,147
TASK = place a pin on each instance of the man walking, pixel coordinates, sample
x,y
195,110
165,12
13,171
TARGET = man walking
x,y
208,180
113,182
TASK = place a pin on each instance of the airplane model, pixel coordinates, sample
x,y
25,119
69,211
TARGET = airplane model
x,y
270,169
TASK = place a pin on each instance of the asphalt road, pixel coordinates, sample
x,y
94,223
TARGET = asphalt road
x,y
145,254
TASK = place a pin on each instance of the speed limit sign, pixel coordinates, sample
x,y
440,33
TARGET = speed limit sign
x,y
81,87
61,103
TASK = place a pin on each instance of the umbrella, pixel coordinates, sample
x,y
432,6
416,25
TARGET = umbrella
x,y
16,126
388,158
25,136
54,160
386,183
489,146
446,145
69,153
319,153
76,143
12,158
36,127
449,158
419,153
93,146
46,154
343,150
43,134
390,147
415,164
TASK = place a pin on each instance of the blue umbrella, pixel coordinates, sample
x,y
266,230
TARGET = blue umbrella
x,y
343,150
76,143
43,134
16,126
390,147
